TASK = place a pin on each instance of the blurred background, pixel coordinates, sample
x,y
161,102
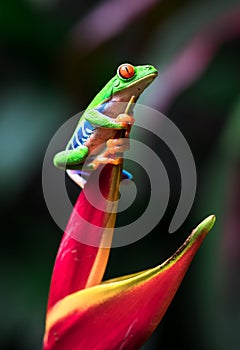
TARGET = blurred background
x,y
55,56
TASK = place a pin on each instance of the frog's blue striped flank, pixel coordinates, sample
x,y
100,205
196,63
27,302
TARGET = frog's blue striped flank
x,y
81,136
85,130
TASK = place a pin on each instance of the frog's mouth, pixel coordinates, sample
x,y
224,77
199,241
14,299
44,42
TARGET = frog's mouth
x,y
134,89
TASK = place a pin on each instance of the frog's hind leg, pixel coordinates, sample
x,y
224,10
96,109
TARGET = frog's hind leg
x,y
71,159
118,146
77,177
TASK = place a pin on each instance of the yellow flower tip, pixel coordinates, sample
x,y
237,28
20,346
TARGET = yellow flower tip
x,y
206,225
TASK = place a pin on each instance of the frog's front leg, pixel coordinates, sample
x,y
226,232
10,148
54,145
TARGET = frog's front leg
x,y
71,159
103,121
116,146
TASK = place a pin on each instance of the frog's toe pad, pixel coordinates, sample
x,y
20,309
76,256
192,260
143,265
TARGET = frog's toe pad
x,y
118,145
125,119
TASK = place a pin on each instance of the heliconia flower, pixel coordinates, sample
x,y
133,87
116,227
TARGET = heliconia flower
x,y
78,265
86,313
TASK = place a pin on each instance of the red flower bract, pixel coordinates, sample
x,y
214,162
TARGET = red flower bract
x,y
121,313
79,265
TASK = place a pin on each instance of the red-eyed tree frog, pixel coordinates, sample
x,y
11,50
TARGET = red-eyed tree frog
x,y
99,125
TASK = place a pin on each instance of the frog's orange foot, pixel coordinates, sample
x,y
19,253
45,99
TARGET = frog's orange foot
x,y
115,146
125,120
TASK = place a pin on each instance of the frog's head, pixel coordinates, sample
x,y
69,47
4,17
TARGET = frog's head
x,y
131,81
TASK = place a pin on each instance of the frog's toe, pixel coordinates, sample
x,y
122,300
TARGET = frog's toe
x,y
118,145
125,119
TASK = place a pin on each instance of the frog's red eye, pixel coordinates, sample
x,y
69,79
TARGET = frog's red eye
x,y
126,71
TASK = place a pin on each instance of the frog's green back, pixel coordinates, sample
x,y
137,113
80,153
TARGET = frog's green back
x,y
103,95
